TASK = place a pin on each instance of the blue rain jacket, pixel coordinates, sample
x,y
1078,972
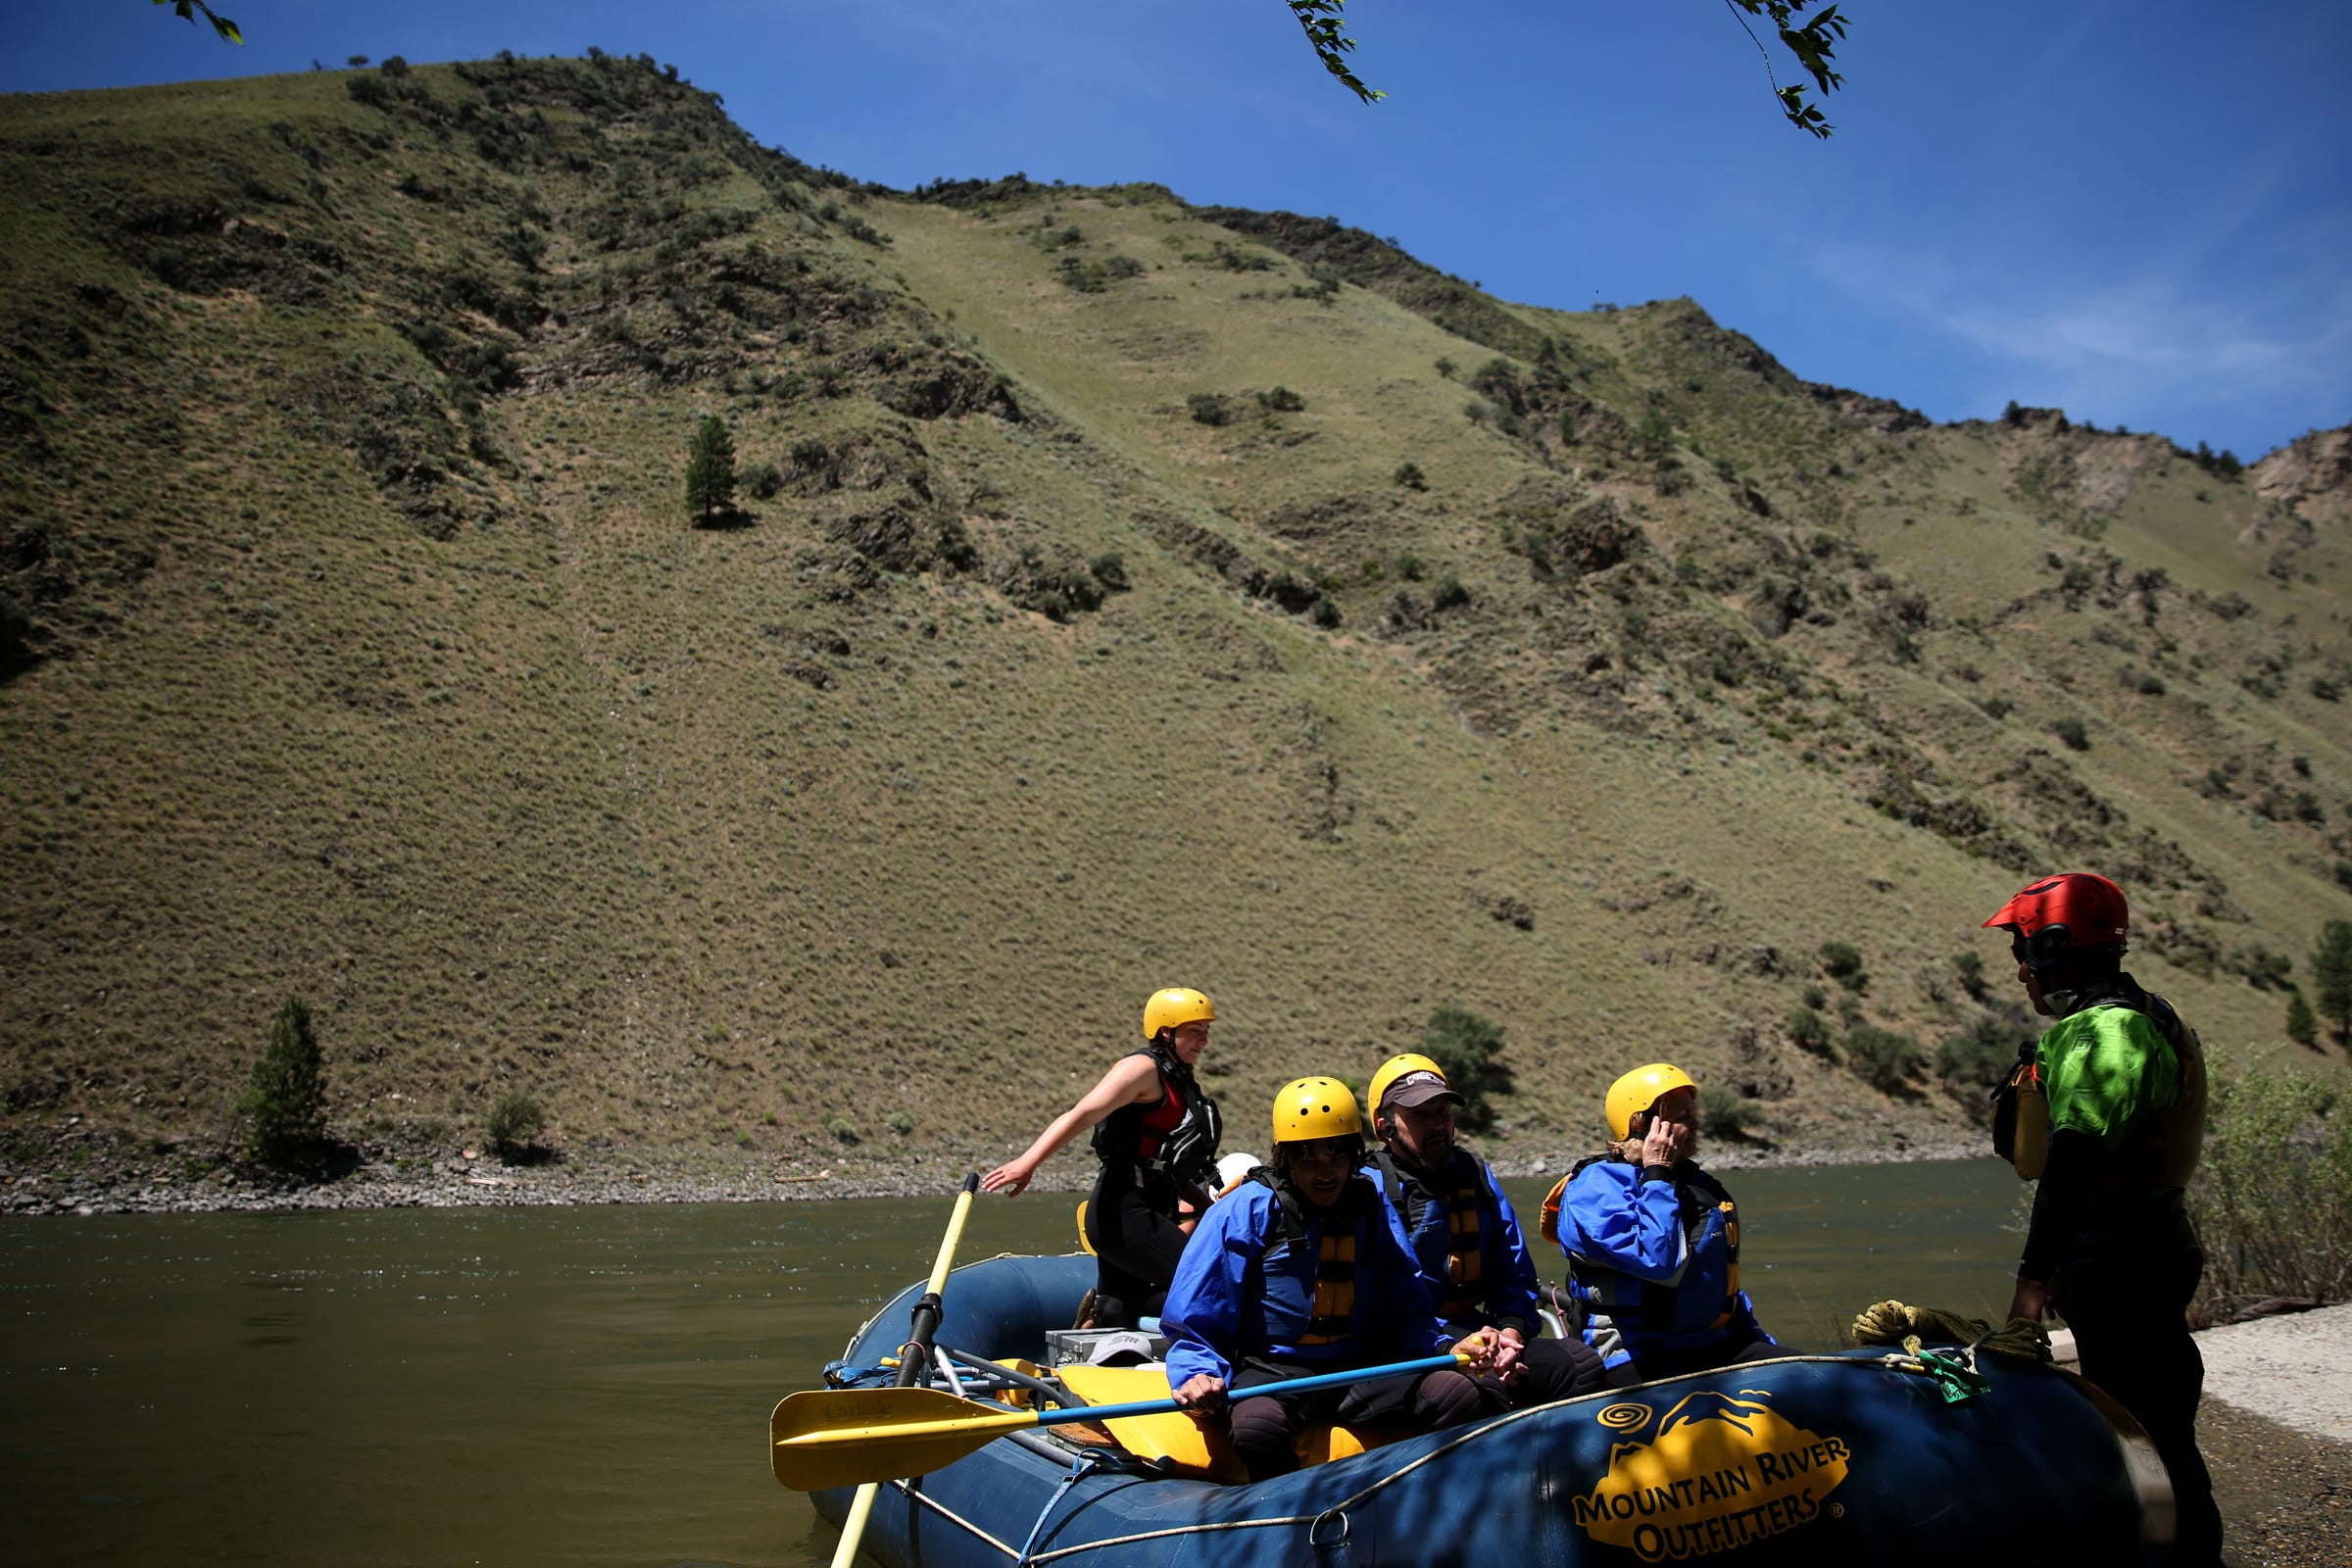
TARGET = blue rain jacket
x,y
1507,1280
1244,1291
1649,1274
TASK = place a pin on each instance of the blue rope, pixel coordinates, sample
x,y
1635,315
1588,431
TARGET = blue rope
x,y
1085,1463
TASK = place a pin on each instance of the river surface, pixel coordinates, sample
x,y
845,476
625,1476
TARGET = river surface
x,y
590,1385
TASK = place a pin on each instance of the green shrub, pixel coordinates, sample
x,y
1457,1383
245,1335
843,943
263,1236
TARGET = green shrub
x,y
1110,570
1409,567
1445,366
2302,1024
1281,399
1208,409
2272,1197
1811,1031
1970,1064
285,1102
1448,594
2071,731
1409,475
1723,1113
901,1123
1969,966
1843,961
761,481
841,1128
394,66
515,1124
1883,1058
2331,977
1466,1047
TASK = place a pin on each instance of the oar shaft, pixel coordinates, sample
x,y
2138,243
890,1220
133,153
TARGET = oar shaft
x,y
921,1330
1321,1380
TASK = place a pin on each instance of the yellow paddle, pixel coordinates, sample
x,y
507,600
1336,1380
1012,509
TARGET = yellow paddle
x,y
911,1357
837,1437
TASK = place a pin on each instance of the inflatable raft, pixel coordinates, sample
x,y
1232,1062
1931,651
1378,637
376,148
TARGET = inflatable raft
x,y
1813,1459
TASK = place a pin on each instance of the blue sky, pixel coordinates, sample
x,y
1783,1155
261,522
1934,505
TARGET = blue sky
x,y
2137,209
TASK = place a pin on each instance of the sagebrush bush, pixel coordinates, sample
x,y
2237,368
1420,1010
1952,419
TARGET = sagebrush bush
x,y
2072,732
1883,1058
1811,1031
1843,961
843,1129
1724,1113
2272,1197
515,1124
1208,409
1972,1062
1409,475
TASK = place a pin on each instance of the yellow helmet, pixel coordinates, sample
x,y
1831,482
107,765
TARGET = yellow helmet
x,y
1174,1006
1639,1090
1391,1070
1308,1108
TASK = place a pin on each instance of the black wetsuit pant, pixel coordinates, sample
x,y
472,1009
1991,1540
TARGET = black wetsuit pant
x,y
1655,1364
1131,1224
1263,1428
2124,1289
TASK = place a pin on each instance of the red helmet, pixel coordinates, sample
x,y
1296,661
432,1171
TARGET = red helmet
x,y
2050,919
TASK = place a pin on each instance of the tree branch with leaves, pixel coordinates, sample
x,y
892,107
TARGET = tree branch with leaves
x,y
187,11
1813,41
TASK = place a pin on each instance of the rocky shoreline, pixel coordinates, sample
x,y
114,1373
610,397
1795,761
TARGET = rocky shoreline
x,y
94,1175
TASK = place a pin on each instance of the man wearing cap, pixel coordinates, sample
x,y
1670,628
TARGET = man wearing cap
x,y
2110,1246
1466,1238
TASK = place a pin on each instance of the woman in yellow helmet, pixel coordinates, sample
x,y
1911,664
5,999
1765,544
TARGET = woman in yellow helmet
x,y
1653,1241
1299,1270
1156,1133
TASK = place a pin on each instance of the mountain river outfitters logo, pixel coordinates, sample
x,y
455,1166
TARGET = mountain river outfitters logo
x,y
1723,1471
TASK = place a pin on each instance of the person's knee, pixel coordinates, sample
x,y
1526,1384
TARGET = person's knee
x,y
1261,1438
1445,1399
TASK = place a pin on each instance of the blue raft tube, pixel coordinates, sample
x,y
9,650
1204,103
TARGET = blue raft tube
x,y
1860,1456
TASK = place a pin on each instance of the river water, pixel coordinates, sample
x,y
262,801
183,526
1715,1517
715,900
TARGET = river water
x,y
590,1385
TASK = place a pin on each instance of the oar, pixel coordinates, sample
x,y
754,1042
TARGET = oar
x,y
834,1436
914,1356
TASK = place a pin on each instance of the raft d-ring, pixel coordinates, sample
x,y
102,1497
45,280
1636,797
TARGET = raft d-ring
x,y
1314,1532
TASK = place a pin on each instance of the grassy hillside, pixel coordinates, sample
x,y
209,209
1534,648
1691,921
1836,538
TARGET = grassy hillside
x,y
1127,593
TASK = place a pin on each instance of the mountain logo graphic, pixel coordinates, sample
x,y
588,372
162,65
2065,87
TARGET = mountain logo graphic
x,y
1724,1471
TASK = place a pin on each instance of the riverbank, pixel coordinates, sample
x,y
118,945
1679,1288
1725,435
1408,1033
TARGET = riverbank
x,y
2276,1431
69,1172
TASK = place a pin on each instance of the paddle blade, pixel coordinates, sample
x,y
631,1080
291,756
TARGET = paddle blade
x,y
847,1436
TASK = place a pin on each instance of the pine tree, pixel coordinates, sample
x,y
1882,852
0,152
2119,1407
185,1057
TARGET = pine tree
x,y
286,1101
2302,1026
710,471
2331,976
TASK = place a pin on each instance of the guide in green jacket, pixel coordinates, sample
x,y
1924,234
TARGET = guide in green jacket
x,y
2110,1246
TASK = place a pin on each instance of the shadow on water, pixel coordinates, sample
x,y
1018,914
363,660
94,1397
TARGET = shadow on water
x,y
590,1386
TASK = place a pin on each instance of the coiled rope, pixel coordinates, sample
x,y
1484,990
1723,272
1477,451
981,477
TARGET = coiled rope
x,y
1893,1323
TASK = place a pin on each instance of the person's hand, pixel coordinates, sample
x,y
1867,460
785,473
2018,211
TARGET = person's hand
x,y
1200,1393
1509,1351
1666,1142
1480,1347
1008,1178
2032,1301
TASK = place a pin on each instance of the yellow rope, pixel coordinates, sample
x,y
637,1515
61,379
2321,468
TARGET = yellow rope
x,y
1893,1323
